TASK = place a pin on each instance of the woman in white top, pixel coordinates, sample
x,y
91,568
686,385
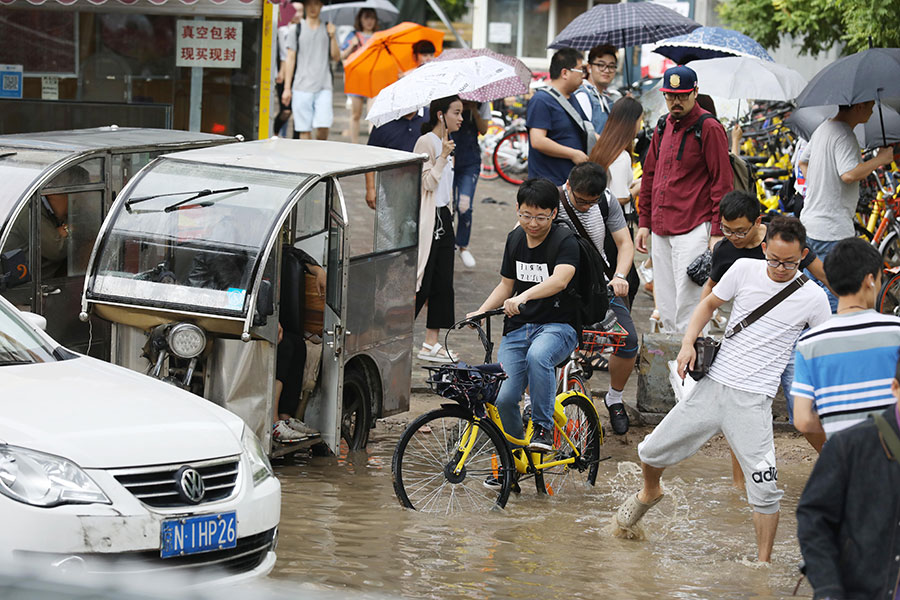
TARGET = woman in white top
x,y
434,275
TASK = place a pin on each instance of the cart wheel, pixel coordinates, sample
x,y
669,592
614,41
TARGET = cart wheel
x,y
357,411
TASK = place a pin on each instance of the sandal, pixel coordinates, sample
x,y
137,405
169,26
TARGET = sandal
x,y
655,322
437,353
632,510
599,362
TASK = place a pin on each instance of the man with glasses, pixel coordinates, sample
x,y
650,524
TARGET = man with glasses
x,y
735,398
594,95
744,233
686,173
557,140
539,261
583,192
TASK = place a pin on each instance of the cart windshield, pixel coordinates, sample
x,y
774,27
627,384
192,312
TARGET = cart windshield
x,y
19,167
189,236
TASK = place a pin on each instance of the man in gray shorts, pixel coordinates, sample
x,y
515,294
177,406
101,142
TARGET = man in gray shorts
x,y
735,398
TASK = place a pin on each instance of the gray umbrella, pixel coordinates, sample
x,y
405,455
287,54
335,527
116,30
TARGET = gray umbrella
x,y
803,121
872,74
345,13
623,25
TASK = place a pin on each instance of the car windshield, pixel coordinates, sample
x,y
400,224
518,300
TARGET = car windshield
x,y
189,236
18,168
18,344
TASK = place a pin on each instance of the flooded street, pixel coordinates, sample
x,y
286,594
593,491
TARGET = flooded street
x,y
343,529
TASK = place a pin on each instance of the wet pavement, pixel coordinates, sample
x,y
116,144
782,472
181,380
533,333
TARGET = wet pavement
x,y
343,529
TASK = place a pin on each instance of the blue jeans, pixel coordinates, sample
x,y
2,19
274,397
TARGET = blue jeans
x,y
822,248
464,181
529,355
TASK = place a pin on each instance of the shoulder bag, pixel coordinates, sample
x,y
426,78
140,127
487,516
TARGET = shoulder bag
x,y
707,347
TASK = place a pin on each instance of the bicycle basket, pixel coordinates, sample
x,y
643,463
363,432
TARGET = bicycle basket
x,y
471,387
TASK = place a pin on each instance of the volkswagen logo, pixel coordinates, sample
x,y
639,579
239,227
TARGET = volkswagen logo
x,y
190,485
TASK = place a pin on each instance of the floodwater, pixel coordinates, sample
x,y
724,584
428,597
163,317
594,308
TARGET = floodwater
x,y
343,529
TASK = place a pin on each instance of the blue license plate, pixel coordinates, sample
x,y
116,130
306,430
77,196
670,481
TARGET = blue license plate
x,y
192,535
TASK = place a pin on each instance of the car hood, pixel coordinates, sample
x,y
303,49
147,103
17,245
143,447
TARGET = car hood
x,y
103,416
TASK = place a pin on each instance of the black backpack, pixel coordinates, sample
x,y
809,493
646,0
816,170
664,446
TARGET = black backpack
x,y
587,289
742,175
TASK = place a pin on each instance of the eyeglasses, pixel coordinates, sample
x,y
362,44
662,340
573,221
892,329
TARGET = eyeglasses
x,y
676,95
584,201
734,233
583,70
606,66
788,265
539,219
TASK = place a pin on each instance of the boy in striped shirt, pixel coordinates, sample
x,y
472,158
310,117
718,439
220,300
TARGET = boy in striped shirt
x,y
844,367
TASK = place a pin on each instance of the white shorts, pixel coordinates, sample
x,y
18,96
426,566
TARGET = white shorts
x,y
312,110
746,420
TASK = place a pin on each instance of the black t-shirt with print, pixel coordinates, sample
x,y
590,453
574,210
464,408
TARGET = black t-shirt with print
x,y
725,254
531,266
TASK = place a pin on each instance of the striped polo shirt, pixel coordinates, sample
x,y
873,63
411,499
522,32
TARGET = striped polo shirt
x,y
846,365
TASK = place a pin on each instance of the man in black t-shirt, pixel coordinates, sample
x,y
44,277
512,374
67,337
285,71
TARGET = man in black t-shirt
x,y
537,331
744,234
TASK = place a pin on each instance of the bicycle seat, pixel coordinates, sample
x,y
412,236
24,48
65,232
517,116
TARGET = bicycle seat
x,y
493,368
756,160
766,172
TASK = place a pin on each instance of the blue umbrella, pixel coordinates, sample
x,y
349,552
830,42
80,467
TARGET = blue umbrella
x,y
710,42
623,25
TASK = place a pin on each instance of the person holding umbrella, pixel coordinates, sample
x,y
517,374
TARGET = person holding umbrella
x,y
434,273
833,171
364,26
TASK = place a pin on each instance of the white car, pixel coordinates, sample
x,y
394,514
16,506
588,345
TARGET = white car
x,y
99,463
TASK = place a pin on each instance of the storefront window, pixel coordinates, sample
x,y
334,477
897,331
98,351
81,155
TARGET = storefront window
x,y
124,57
518,27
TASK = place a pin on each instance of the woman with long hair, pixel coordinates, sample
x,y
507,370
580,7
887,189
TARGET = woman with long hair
x,y
365,25
613,150
434,272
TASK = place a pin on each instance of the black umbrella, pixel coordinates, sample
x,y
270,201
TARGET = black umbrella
x,y
623,25
803,121
872,74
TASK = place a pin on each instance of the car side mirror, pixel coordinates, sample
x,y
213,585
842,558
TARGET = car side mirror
x,y
265,302
14,269
34,319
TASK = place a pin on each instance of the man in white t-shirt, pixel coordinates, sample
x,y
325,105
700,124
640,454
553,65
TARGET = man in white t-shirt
x,y
833,171
735,398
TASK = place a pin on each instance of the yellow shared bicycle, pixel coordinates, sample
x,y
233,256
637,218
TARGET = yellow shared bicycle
x,y
459,458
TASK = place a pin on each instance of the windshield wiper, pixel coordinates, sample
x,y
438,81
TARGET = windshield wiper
x,y
19,361
195,194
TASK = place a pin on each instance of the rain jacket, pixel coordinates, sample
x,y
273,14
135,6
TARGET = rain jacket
x,y
848,518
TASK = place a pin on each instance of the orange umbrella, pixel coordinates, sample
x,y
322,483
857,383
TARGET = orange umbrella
x,y
387,54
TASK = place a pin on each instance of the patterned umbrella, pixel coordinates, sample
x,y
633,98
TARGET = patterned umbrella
x,y
512,86
436,80
710,42
622,25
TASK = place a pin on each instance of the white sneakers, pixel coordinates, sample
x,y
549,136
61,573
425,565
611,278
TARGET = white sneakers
x,y
467,259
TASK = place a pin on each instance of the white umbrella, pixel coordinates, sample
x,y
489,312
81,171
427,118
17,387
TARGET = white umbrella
x,y
742,77
345,13
435,80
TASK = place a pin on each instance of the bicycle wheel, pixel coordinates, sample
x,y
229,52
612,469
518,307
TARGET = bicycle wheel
x,y
889,297
426,456
511,157
583,429
890,249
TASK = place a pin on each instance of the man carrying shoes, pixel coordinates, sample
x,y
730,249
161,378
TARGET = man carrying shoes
x,y
686,173
771,307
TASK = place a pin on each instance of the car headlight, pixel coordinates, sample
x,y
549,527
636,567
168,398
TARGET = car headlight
x,y
260,467
186,340
42,479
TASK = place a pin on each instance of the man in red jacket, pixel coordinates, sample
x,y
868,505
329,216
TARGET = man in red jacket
x,y
686,173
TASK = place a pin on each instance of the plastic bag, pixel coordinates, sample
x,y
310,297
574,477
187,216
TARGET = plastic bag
x,y
681,387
